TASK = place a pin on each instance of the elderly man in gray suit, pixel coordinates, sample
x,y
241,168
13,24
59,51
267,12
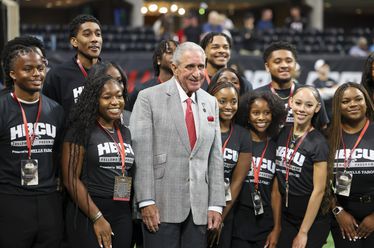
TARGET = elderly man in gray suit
x,y
179,182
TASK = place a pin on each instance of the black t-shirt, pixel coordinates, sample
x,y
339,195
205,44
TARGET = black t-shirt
x,y
13,145
64,83
313,149
362,165
240,141
266,176
284,96
248,226
102,162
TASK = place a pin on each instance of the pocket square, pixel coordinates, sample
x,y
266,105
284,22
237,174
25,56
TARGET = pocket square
x,y
210,118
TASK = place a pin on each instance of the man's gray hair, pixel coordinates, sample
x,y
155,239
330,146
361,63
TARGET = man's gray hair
x,y
184,47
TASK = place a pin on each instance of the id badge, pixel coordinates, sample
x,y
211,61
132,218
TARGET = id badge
x,y
122,188
227,190
257,203
29,172
343,183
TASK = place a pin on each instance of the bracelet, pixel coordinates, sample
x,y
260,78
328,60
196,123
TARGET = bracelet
x,y
97,217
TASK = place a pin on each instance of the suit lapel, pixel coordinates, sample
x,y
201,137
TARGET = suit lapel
x,y
177,114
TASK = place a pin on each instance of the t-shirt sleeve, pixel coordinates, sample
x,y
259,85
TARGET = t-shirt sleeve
x,y
319,148
246,141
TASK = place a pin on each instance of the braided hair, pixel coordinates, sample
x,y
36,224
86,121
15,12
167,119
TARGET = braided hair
x,y
10,56
161,48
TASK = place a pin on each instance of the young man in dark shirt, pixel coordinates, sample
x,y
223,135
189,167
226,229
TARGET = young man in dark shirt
x,y
64,83
28,41
161,66
30,126
280,61
217,47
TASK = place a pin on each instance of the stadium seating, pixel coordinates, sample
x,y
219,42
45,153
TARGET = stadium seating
x,y
118,38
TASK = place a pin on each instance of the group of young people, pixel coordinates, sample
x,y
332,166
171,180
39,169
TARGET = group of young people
x,y
295,189
290,175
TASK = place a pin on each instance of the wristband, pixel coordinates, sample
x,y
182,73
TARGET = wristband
x,y
96,217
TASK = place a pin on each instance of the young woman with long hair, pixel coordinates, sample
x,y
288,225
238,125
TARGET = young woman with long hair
x,y
236,147
351,140
257,224
301,155
96,163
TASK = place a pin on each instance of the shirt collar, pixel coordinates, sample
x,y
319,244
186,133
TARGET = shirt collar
x,y
183,95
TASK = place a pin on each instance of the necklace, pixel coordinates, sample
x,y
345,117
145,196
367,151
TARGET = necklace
x,y
294,137
110,130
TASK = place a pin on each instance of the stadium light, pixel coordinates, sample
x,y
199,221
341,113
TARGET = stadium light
x,y
153,7
143,10
163,10
173,8
181,11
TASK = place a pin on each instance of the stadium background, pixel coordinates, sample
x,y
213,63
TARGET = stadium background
x,y
129,39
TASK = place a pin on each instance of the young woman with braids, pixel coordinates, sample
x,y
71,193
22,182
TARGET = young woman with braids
x,y
301,159
236,145
96,161
262,113
351,140
368,76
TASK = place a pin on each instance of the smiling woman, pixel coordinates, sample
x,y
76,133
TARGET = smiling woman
x,y
97,162
351,160
301,159
262,114
236,148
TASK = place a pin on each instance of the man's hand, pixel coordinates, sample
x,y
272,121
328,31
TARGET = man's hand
x,y
214,220
151,217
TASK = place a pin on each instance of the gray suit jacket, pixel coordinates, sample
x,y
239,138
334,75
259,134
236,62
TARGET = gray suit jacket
x,y
167,171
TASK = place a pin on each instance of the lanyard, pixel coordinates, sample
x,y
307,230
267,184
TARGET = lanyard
x,y
257,169
29,140
227,140
288,164
290,95
82,68
346,160
120,149
207,78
